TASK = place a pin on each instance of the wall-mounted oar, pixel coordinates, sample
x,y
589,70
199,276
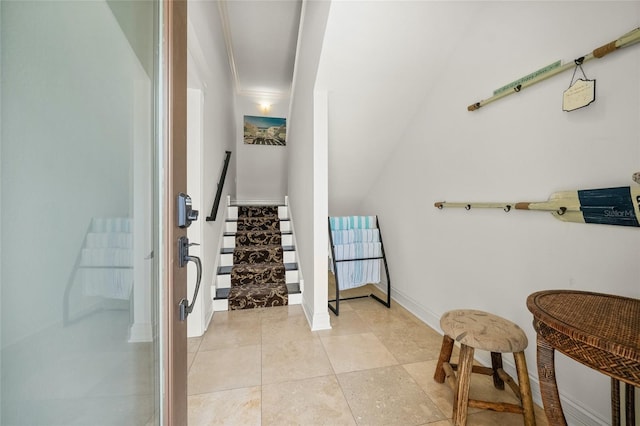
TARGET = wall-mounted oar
x,y
628,39
608,206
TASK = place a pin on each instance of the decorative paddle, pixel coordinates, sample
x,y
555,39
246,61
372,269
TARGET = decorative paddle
x,y
628,39
607,206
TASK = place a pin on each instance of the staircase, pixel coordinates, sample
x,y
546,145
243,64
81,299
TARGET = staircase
x,y
103,270
258,260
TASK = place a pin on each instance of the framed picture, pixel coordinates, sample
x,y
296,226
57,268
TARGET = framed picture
x,y
265,130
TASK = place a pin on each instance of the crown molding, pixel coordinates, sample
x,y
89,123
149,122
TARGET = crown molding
x,y
263,94
224,21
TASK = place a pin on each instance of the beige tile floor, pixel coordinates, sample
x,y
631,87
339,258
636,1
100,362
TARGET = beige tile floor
x,y
374,367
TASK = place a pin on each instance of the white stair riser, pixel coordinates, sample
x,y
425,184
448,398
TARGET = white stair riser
x,y
226,259
285,226
291,276
295,299
230,241
224,280
220,305
283,213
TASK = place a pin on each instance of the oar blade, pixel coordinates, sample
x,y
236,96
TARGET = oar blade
x,y
606,206
575,217
610,206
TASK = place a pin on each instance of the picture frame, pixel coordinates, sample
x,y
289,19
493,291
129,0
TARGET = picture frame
x,y
271,131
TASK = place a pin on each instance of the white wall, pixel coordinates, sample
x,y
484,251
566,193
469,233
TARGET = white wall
x,y
521,148
307,173
262,170
209,72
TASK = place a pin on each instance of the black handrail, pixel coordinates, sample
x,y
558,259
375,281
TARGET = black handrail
x,y
216,203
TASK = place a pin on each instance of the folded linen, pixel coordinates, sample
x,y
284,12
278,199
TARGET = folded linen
x,y
353,272
358,273
352,222
357,251
349,236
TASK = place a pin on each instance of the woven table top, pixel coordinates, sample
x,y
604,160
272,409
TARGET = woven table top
x,y
604,321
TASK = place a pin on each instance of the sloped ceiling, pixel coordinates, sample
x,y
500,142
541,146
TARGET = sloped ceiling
x,y
261,38
378,64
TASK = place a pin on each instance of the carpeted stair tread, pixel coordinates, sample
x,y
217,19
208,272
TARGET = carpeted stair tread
x,y
223,293
281,219
257,274
266,231
225,270
230,250
257,211
258,254
267,223
247,238
258,296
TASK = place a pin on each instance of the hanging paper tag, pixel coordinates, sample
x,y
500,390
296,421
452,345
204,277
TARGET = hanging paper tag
x,y
579,95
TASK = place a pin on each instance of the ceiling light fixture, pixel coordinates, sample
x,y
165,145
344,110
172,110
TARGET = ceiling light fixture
x,y
265,107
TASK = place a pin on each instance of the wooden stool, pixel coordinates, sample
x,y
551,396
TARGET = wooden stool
x,y
482,330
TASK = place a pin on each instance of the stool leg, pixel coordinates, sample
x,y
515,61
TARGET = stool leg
x,y
461,399
445,356
496,363
525,389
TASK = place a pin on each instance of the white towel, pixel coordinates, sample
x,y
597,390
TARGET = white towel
x,y
355,273
350,236
358,251
352,222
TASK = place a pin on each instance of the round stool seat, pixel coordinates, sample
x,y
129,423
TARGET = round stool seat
x,y
482,330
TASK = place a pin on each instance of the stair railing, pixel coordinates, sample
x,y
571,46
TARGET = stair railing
x,y
223,175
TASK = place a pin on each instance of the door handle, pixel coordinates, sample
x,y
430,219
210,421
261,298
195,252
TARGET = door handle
x,y
183,252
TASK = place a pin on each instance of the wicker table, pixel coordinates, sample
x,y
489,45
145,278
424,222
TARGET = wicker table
x,y
601,331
